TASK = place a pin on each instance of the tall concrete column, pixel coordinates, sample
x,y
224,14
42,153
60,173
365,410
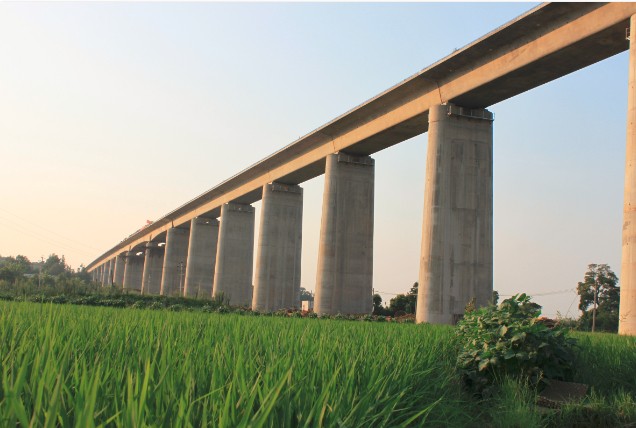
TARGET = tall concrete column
x,y
118,271
153,266
235,254
174,262
277,281
204,235
344,279
627,310
133,271
100,274
457,249
106,280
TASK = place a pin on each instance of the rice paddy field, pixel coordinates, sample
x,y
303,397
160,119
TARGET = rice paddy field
x,y
78,366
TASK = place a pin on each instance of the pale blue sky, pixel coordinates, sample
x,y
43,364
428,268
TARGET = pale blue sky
x,y
112,114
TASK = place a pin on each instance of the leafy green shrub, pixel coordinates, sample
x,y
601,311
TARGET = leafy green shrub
x,y
59,299
115,303
155,306
86,300
508,340
312,315
138,305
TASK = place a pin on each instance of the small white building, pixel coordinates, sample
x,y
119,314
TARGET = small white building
x,y
307,305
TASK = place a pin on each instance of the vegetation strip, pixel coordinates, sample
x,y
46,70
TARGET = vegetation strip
x,y
93,366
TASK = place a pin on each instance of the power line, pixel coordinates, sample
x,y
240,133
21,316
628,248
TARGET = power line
x,y
30,224
41,238
549,293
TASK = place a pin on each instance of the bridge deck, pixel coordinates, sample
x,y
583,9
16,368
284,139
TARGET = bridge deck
x,y
549,41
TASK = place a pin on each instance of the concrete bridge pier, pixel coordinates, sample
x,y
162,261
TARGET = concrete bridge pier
x,y
277,282
344,279
108,274
174,262
100,274
235,254
199,277
133,271
457,241
118,270
627,309
153,266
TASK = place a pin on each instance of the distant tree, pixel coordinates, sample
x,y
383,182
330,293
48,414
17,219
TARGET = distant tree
x,y
495,297
405,302
378,309
10,272
24,262
599,298
83,274
54,265
306,295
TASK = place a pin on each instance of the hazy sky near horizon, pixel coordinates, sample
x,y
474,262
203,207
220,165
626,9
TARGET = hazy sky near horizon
x,y
112,114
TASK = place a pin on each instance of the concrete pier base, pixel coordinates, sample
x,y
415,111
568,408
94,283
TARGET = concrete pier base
x,y
627,310
457,241
277,281
174,262
118,271
133,271
235,254
153,266
344,279
199,278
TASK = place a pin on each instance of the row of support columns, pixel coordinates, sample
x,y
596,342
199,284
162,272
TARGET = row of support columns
x,y
456,264
216,259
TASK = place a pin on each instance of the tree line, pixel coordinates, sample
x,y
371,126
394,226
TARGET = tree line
x,y
599,292
599,300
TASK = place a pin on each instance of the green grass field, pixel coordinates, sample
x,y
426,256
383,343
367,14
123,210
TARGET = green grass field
x,y
66,365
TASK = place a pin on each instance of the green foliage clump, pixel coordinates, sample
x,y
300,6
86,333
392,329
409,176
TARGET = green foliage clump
x,y
509,340
600,299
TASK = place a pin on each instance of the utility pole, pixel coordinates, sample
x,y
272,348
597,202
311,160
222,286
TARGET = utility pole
x,y
595,304
40,274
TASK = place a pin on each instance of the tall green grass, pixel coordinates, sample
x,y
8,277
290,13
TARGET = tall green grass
x,y
76,366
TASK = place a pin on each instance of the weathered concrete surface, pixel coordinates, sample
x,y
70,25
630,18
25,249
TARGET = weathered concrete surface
x,y
174,262
118,273
133,271
627,311
344,279
278,254
235,254
457,248
153,268
550,41
204,236
107,278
